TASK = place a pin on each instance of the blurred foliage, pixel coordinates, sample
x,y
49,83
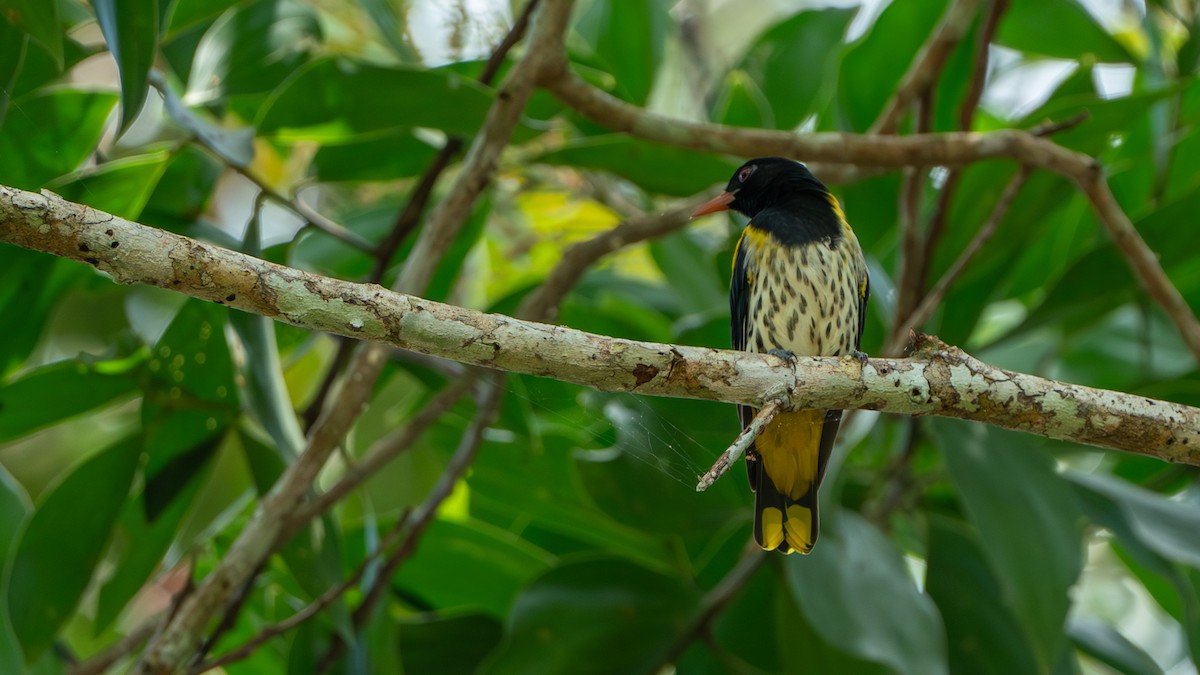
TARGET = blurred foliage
x,y
137,430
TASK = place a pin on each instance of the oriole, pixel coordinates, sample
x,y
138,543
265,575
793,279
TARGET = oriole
x,y
799,287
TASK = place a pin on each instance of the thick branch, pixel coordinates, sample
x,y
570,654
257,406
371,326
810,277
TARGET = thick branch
x,y
943,149
938,380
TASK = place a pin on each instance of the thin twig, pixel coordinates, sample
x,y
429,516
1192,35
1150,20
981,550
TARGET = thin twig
x,y
310,610
740,444
926,68
716,600
260,536
933,299
966,113
387,448
102,661
468,448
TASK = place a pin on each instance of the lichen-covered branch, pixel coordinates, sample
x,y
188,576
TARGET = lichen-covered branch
x,y
952,149
937,380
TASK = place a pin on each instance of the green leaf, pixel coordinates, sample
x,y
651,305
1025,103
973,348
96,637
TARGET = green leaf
x,y
1060,29
251,49
138,546
1166,526
14,507
982,635
490,565
1019,504
191,397
234,146
446,643
323,102
31,283
689,267
55,133
1103,643
38,18
39,69
62,543
740,102
874,65
183,14
594,616
393,154
535,480
132,37
647,478
795,63
627,41
182,194
899,627
654,167
120,187
57,392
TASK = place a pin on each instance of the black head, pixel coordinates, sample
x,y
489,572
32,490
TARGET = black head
x,y
761,183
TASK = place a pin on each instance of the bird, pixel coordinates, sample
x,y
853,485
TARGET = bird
x,y
799,287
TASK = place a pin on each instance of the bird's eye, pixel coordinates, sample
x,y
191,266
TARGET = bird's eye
x,y
745,173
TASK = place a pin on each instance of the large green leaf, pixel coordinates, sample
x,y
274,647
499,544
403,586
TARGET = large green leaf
x,y
1165,525
794,63
657,168
120,187
1019,504
1174,588
453,644
594,616
536,481
61,543
132,37
14,506
982,634
191,399
1103,643
55,132
252,48
627,40
59,391
873,66
384,156
31,284
138,546
40,20
490,565
323,101
1058,28
856,593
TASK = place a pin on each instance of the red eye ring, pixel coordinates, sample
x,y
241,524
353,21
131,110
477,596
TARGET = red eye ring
x,y
745,173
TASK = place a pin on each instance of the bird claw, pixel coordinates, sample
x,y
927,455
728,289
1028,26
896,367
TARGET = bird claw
x,y
861,357
784,354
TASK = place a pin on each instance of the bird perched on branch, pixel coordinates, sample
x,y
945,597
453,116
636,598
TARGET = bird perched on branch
x,y
799,287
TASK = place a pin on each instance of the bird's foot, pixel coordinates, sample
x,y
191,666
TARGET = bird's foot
x,y
784,354
861,357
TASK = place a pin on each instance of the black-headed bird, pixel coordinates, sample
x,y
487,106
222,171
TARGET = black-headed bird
x,y
799,287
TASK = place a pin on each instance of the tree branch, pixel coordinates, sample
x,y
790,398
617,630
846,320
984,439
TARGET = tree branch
x,y
938,380
950,150
933,299
260,537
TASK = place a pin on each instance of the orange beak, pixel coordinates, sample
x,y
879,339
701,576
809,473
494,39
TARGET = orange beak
x,y
718,203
